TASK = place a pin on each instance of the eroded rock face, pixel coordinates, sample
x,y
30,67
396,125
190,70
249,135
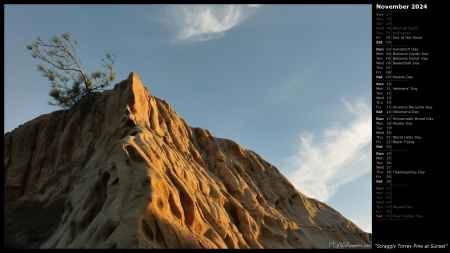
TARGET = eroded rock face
x,y
134,175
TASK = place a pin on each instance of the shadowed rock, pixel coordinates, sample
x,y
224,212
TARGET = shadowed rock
x,y
134,175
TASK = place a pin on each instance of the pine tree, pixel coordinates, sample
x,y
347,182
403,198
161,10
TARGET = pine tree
x,y
62,66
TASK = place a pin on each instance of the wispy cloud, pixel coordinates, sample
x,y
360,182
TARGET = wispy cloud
x,y
336,157
289,90
194,23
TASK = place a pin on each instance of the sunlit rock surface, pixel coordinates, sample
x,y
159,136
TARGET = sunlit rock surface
x,y
133,174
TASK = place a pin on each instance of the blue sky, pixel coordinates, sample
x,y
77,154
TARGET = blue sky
x,y
290,82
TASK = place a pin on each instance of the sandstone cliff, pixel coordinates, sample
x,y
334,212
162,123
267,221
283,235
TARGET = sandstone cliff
x,y
130,173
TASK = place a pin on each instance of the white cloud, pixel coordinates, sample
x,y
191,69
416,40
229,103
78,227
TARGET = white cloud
x,y
337,157
363,222
194,23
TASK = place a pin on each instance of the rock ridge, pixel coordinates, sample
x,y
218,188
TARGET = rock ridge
x,y
133,174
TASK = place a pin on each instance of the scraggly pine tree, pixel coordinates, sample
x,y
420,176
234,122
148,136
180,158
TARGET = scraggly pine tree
x,y
63,66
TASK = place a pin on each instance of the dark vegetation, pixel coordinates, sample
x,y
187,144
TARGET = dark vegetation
x,y
29,223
